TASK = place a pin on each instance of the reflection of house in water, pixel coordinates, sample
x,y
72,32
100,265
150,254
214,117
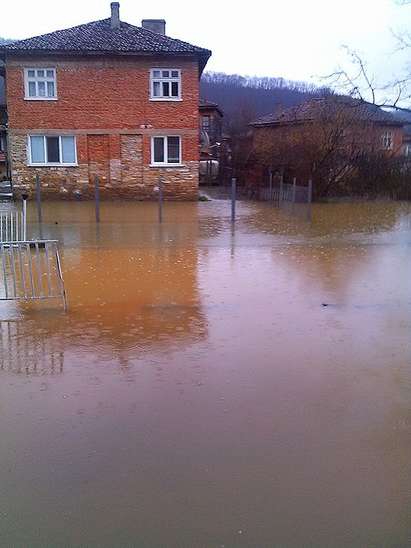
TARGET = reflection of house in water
x,y
122,302
27,350
130,295
128,298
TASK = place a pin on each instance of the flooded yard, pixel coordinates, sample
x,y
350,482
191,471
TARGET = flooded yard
x,y
211,385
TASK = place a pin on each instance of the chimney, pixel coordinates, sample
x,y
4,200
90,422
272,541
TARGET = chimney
x,y
155,25
115,15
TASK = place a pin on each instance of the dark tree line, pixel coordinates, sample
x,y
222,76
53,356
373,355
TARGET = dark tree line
x,y
245,98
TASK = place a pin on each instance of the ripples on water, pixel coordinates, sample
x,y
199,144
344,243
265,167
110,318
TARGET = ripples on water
x,y
198,393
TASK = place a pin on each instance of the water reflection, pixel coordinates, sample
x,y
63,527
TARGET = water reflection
x,y
206,387
27,349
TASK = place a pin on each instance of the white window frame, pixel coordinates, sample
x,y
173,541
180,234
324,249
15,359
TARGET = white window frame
x,y
2,144
165,147
208,118
387,140
51,164
407,150
161,80
36,79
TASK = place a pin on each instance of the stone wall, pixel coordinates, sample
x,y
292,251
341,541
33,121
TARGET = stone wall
x,y
123,177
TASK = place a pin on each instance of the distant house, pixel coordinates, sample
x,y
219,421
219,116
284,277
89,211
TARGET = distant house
x,y
405,117
3,144
3,127
214,144
105,99
211,123
287,139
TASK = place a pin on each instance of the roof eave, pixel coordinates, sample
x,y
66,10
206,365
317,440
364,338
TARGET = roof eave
x,y
279,123
65,52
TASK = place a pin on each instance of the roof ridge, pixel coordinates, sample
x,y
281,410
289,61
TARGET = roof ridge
x,y
308,110
98,37
16,42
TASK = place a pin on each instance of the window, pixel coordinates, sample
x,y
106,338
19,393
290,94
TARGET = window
x,y
387,140
407,150
40,83
2,143
166,150
165,84
205,122
52,150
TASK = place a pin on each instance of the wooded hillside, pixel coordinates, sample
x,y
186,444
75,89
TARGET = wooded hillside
x,y
244,98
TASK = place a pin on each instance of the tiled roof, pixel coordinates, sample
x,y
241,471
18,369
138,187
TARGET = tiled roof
x,y
404,117
322,108
99,37
204,104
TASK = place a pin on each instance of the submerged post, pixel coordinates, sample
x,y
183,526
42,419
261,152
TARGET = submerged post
x,y
310,191
280,194
310,199
97,198
38,198
294,188
24,219
233,197
271,184
160,200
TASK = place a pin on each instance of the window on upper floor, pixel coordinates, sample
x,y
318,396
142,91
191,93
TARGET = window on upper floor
x,y
387,140
165,84
407,149
2,143
40,83
52,150
166,150
206,123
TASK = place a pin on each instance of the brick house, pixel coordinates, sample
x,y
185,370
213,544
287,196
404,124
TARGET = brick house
x,y
109,99
286,141
3,145
212,145
3,127
211,123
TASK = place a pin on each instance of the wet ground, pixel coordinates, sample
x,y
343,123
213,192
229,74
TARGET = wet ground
x,y
198,393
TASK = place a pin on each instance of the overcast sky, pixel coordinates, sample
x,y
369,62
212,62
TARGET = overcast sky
x,y
297,39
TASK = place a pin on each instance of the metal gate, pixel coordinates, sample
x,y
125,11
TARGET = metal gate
x,y
27,351
31,270
13,224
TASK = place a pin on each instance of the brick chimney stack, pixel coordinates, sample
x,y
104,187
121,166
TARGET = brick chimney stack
x,y
115,15
155,25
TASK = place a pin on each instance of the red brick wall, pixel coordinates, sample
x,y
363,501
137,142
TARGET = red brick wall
x,y
102,94
100,101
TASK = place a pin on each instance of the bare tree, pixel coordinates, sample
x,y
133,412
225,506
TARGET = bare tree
x,y
359,82
335,139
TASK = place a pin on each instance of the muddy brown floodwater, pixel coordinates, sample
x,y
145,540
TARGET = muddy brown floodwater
x,y
198,393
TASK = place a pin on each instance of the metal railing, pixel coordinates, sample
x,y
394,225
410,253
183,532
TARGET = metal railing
x,y
31,270
13,224
24,351
287,193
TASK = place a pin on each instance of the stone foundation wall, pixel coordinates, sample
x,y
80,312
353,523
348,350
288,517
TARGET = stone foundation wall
x,y
126,176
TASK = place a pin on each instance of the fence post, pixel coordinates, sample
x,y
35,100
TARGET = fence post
x,y
233,198
24,197
271,184
310,191
160,199
38,198
294,188
280,195
97,198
